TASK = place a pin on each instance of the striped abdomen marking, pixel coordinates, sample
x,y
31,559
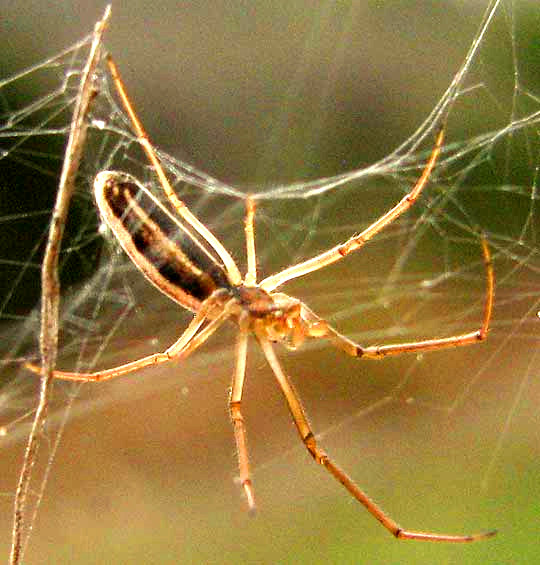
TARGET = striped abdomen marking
x,y
168,252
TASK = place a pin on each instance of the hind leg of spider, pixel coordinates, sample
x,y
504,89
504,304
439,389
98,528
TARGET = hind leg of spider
x,y
235,402
323,459
182,347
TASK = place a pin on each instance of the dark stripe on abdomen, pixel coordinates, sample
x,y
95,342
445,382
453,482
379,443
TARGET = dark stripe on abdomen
x,y
171,247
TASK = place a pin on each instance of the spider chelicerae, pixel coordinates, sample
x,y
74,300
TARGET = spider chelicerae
x,y
185,261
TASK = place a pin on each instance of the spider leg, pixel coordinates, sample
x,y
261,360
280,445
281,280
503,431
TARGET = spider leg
x,y
235,402
179,205
182,347
321,328
342,250
249,229
207,331
320,456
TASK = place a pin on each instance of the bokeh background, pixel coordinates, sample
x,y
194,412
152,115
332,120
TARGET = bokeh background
x,y
258,94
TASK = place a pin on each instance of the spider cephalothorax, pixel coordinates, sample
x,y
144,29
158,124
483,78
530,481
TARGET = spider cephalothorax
x,y
274,316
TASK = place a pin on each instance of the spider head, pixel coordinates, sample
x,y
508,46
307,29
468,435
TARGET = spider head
x,y
276,316
283,322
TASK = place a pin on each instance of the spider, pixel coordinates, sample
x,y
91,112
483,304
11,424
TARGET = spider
x,y
186,262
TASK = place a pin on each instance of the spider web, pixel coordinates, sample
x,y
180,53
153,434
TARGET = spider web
x,y
353,114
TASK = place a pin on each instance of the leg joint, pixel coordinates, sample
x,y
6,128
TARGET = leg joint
x,y
481,335
313,449
234,411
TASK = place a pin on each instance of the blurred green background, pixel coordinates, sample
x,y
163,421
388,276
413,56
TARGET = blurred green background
x,y
260,93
